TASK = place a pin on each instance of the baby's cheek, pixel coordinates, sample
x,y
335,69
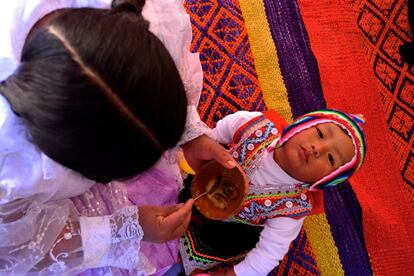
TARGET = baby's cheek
x,y
321,169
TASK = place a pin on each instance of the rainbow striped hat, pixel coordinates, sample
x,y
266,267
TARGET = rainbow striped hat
x,y
349,122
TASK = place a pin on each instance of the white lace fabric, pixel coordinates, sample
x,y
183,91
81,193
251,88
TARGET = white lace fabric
x,y
194,127
51,238
117,244
28,230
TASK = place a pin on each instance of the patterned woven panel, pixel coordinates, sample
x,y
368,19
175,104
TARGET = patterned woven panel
x,y
384,25
298,261
230,80
231,84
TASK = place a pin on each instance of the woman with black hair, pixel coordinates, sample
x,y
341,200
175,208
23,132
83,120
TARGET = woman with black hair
x,y
93,96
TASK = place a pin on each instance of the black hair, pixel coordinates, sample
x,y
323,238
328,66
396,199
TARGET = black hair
x,y
98,92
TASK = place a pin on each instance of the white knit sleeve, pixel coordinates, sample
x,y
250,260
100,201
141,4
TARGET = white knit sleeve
x,y
226,127
274,243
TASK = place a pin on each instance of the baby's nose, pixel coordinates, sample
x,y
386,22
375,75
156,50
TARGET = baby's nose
x,y
315,150
318,149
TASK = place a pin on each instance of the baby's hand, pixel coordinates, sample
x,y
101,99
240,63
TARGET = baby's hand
x,y
164,223
203,149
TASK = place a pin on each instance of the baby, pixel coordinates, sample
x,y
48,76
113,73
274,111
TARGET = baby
x,y
287,166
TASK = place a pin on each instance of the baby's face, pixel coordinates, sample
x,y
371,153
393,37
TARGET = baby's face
x,y
315,152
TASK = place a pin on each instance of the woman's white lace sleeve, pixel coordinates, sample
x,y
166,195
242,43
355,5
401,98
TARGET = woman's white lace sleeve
x,y
50,238
112,240
194,127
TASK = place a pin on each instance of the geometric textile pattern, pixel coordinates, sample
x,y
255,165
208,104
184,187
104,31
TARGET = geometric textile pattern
x,y
230,81
384,24
297,263
231,84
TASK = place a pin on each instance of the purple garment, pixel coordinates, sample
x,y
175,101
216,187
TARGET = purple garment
x,y
153,187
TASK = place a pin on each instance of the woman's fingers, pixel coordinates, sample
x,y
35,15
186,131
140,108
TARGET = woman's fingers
x,y
176,218
164,223
180,230
221,155
204,148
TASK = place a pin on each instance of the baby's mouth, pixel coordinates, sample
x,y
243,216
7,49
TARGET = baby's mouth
x,y
303,153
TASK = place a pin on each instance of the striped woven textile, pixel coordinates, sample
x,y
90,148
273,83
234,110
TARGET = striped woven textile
x,y
295,56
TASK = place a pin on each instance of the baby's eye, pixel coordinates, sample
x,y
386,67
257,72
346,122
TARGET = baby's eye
x,y
331,160
320,134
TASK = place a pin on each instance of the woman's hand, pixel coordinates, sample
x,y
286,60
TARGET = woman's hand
x,y
164,223
203,149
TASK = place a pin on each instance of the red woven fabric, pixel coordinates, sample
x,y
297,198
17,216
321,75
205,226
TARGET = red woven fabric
x,y
349,84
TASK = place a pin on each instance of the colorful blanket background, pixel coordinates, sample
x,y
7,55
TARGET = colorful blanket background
x,y
298,55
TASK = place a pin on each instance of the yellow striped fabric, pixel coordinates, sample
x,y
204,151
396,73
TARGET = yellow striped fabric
x,y
323,245
275,97
265,58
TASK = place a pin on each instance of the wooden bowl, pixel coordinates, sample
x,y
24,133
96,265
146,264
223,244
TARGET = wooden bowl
x,y
230,186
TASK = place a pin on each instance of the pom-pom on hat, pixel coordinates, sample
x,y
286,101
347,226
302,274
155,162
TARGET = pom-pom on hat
x,y
351,123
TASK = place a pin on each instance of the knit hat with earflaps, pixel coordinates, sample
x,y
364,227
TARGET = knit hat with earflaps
x,y
351,123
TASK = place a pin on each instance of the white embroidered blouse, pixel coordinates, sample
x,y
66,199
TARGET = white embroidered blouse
x,y
278,232
37,220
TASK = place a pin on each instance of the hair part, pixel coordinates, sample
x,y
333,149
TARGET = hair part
x,y
104,87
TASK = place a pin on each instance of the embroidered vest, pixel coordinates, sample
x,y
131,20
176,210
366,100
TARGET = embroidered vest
x,y
268,201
